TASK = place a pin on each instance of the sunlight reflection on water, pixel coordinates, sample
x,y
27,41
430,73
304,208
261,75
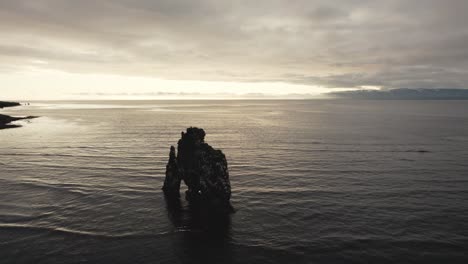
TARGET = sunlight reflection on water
x,y
313,181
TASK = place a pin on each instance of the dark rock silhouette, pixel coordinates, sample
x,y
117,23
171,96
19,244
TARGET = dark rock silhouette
x,y
5,121
172,182
203,169
8,104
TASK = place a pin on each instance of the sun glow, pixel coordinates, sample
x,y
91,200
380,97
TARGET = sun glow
x,y
57,85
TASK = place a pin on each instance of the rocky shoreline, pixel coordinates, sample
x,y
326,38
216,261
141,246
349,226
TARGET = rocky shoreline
x,y
8,104
6,120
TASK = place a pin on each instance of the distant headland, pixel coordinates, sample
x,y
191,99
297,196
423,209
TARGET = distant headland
x,y
8,104
5,120
403,94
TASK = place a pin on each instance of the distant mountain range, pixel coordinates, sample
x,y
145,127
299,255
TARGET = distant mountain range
x,y
404,94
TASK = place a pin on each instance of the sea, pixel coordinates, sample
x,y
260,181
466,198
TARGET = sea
x,y
313,181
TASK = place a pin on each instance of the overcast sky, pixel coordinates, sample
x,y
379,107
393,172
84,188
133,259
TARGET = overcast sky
x,y
62,48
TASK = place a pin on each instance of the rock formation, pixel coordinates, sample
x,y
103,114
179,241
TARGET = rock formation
x,y
203,169
8,104
5,121
172,182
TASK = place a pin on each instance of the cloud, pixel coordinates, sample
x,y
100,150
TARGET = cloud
x,y
393,44
392,78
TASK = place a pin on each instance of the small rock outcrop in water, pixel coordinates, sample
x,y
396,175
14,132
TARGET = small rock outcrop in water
x,y
203,169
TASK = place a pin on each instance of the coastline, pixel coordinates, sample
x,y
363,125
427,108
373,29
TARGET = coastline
x,y
4,104
6,120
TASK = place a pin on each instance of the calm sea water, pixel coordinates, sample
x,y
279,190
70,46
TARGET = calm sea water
x,y
313,182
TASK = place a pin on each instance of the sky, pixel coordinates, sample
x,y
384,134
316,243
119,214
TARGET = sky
x,y
88,49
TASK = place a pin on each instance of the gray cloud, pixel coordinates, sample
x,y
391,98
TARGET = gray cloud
x,y
394,44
